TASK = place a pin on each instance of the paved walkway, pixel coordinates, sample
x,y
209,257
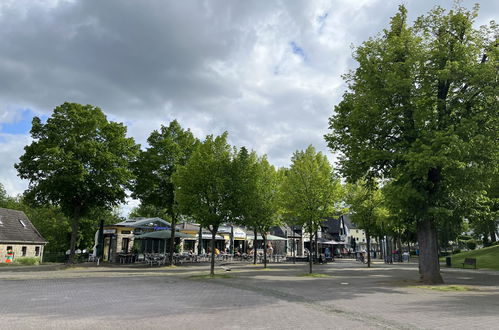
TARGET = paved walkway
x,y
349,296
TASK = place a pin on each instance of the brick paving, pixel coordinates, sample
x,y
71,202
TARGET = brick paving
x,y
351,297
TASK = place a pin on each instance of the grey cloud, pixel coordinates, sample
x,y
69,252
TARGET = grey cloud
x,y
214,65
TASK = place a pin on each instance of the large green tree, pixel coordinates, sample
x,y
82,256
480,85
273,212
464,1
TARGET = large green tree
x,y
169,148
205,186
421,110
79,161
310,191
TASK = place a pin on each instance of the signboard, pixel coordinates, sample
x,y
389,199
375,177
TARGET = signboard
x,y
109,231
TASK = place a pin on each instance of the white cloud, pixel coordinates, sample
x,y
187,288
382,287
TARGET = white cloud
x,y
11,148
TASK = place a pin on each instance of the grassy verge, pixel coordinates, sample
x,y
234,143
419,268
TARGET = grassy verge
x,y
315,275
487,258
446,287
207,276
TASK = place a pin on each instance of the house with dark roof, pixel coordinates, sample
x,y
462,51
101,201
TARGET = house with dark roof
x,y
18,236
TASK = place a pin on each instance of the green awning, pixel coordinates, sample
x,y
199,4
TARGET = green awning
x,y
163,234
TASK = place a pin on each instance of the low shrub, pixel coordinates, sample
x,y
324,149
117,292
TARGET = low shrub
x,y
28,261
456,251
471,245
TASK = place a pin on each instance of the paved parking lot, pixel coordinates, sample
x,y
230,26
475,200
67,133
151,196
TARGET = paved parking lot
x,y
348,296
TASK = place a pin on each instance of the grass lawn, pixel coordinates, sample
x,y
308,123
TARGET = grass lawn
x,y
485,258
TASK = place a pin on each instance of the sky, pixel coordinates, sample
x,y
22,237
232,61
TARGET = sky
x,y
268,72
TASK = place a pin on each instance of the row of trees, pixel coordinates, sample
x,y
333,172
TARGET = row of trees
x,y
213,183
80,164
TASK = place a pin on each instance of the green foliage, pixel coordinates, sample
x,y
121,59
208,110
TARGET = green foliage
x,y
168,149
204,185
421,110
27,261
79,161
257,189
310,190
149,211
366,206
471,245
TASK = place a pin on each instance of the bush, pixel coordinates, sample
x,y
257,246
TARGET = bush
x,y
471,245
28,261
456,251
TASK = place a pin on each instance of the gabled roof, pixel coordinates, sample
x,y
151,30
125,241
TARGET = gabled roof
x,y
15,227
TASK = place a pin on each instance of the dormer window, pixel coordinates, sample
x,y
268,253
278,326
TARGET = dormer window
x,y
22,223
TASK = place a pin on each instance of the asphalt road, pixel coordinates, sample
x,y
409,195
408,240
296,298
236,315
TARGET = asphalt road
x,y
348,297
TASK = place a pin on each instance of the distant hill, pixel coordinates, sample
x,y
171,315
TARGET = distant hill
x,y
485,258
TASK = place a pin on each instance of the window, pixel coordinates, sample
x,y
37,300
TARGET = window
x,y
124,244
37,251
1,223
23,251
22,223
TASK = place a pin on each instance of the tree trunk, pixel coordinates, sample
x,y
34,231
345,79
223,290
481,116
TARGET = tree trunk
x,y
310,253
254,247
429,267
368,240
316,245
172,238
264,250
200,240
399,249
492,229
212,268
75,224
